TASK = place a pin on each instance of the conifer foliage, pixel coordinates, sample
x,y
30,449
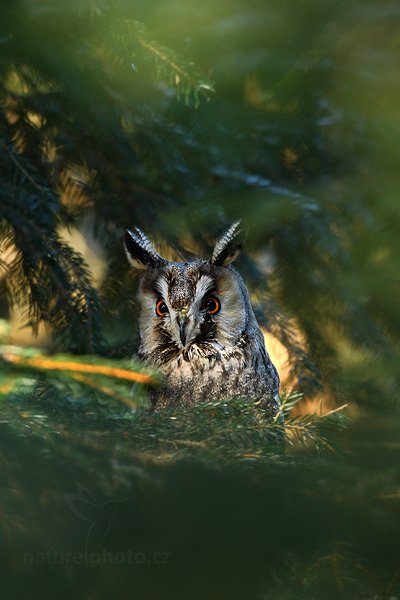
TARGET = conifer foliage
x,y
58,67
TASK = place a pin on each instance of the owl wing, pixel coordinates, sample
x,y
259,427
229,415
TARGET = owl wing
x,y
271,400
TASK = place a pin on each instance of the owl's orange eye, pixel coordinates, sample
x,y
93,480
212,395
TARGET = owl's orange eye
x,y
161,308
212,305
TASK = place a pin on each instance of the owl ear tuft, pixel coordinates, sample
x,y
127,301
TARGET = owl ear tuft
x,y
139,250
227,248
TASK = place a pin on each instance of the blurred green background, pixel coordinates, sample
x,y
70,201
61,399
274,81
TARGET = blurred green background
x,y
180,118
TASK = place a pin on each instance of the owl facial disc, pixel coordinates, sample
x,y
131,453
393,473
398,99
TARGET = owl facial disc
x,y
188,307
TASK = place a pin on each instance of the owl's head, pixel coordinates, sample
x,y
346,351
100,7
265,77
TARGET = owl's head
x,y
189,308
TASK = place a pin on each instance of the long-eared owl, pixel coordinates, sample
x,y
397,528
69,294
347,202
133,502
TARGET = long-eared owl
x,y
198,327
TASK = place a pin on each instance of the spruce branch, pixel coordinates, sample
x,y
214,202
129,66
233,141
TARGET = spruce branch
x,y
107,378
186,79
41,363
180,73
13,156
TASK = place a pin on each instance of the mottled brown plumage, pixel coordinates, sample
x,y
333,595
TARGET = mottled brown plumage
x,y
197,325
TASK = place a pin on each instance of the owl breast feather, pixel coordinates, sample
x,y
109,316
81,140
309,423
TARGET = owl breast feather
x,y
220,375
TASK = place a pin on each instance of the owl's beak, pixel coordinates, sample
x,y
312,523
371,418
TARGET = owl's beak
x,y
182,324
